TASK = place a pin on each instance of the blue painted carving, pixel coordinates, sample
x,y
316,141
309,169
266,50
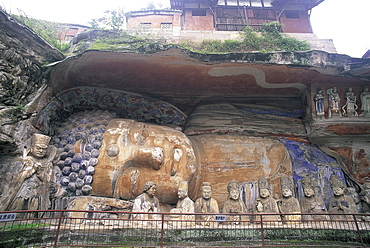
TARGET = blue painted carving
x,y
309,160
294,114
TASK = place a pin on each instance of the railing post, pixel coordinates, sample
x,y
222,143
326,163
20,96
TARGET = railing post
x,y
58,229
358,230
162,230
262,232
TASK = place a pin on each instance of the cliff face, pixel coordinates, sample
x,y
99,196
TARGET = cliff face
x,y
217,100
22,80
22,54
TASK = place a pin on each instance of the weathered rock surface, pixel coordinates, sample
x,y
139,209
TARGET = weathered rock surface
x,y
22,54
98,204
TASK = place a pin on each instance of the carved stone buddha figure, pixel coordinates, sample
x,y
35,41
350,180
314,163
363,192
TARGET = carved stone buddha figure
x,y
288,204
184,205
340,203
146,202
265,203
234,205
206,204
311,203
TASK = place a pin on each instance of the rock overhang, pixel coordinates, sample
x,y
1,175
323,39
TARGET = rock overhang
x,y
169,85
184,78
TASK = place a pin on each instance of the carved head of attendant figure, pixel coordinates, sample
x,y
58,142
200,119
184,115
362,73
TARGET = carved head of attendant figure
x,y
206,191
264,188
150,189
308,188
182,192
286,187
39,145
233,189
337,186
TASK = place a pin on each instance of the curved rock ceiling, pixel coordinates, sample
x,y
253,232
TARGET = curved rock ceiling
x,y
183,78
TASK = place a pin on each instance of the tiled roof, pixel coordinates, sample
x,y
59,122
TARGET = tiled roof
x,y
310,3
177,4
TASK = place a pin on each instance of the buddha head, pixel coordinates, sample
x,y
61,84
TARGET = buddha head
x,y
134,153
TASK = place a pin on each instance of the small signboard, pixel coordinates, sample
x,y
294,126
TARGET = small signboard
x,y
220,217
8,217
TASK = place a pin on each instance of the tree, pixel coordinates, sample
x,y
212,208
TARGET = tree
x,y
152,6
113,19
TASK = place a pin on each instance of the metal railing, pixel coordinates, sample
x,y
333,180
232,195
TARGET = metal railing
x,y
64,228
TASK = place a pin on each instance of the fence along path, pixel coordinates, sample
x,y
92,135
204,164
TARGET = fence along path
x,y
61,228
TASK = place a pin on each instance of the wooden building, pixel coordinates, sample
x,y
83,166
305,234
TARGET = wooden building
x,y
234,15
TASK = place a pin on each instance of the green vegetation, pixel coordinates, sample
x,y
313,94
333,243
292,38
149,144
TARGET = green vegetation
x,y
153,6
52,32
113,19
17,235
18,227
268,38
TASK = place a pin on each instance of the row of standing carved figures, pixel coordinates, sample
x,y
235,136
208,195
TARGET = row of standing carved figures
x,y
349,109
340,203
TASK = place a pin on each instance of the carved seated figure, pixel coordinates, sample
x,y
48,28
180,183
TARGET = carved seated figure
x,y
311,203
184,205
147,203
265,203
288,204
234,205
29,188
206,204
340,203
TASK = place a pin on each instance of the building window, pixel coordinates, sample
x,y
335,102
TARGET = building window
x,y
199,12
260,13
145,25
166,26
292,14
